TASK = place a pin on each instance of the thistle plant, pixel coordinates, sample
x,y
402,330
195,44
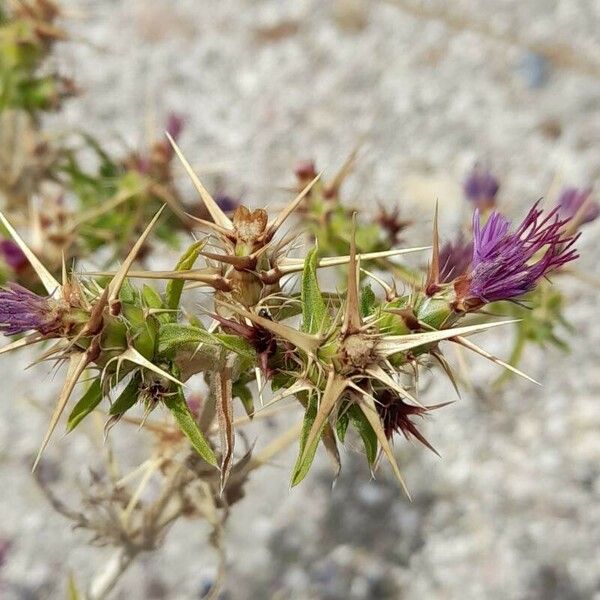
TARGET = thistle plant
x,y
349,360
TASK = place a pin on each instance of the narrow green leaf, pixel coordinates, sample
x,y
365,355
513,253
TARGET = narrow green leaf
x,y
177,336
127,398
88,402
304,462
367,301
151,297
236,344
178,406
341,426
175,286
362,425
242,392
314,311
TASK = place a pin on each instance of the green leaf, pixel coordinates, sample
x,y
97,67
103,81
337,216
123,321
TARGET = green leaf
x,y
175,336
127,398
89,401
241,391
314,311
341,425
367,301
362,425
175,286
178,406
236,344
151,297
302,466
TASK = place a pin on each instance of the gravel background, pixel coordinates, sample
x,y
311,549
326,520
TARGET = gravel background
x,y
512,509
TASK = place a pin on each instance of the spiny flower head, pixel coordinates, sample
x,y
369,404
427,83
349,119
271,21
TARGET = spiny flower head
x,y
576,203
481,188
262,340
507,264
21,310
392,223
396,415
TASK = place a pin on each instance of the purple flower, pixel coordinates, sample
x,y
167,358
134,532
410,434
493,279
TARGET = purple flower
x,y
175,125
13,255
455,258
22,310
305,170
572,200
506,263
226,203
481,188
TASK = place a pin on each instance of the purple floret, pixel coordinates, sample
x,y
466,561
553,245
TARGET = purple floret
x,y
455,259
508,264
22,311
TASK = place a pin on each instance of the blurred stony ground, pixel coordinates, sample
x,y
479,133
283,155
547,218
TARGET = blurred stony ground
x,y
512,509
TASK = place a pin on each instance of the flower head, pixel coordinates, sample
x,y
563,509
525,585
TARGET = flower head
x,y
21,310
573,200
305,170
262,340
392,223
396,415
506,263
481,188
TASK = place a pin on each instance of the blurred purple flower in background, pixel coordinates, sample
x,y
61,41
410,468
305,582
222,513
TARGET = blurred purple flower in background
x,y
175,124
481,188
505,264
226,203
13,255
573,200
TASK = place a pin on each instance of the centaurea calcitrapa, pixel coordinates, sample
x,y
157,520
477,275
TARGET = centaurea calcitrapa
x,y
350,363
509,268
